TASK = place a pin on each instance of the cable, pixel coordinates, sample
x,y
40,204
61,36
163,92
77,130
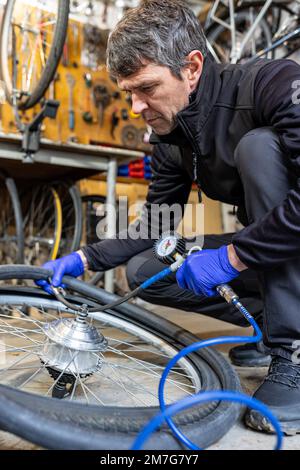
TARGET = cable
x,y
132,294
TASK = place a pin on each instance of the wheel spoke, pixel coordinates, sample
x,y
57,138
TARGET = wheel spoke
x,y
134,349
32,376
18,349
156,376
63,371
17,362
153,366
17,328
21,335
138,385
128,392
36,322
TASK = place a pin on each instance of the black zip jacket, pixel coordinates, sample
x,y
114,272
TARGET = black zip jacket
x,y
229,101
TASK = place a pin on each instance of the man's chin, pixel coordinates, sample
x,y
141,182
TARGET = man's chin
x,y
161,130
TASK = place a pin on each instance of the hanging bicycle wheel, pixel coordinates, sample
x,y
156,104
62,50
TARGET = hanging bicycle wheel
x,y
52,222
229,45
93,214
42,224
31,44
105,368
11,226
72,217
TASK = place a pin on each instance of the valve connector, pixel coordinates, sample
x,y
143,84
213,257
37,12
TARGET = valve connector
x,y
169,247
227,293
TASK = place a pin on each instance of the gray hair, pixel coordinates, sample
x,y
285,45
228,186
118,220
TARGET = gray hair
x,y
160,31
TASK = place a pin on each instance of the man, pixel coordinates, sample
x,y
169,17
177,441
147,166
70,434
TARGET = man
x,y
235,130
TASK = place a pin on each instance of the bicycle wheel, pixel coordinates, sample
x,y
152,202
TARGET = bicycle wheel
x,y
108,380
220,37
42,224
93,213
11,225
32,40
72,217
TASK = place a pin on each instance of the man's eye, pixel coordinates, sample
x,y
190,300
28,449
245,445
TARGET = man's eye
x,y
147,89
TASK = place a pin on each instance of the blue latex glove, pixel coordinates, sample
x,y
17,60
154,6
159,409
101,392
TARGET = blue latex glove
x,y
71,264
204,270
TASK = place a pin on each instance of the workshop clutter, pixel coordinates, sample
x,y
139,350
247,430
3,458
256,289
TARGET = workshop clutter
x,y
140,168
92,110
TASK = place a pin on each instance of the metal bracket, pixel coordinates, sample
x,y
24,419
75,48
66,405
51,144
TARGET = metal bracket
x,y
32,131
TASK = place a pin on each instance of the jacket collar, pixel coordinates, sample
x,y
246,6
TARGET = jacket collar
x,y
191,119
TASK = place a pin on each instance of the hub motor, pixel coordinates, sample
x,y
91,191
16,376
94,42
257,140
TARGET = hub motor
x,y
71,351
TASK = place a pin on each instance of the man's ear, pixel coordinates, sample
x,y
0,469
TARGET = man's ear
x,y
194,67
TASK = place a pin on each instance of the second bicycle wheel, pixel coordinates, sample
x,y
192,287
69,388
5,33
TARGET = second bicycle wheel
x,y
52,221
105,368
11,224
222,38
32,40
72,217
42,224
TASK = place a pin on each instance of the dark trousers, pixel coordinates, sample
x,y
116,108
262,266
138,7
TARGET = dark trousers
x,y
273,296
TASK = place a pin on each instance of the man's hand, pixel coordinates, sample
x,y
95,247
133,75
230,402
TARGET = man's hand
x,y
204,270
72,264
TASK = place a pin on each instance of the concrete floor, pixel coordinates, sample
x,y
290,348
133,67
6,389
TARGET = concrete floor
x,y
239,436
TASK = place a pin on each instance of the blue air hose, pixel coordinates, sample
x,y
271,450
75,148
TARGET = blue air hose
x,y
167,412
156,278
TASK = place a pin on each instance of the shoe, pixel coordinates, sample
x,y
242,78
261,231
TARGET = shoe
x,y
250,355
281,393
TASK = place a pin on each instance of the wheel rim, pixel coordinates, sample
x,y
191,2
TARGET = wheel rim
x,y
29,35
11,246
42,225
128,369
72,218
93,214
220,38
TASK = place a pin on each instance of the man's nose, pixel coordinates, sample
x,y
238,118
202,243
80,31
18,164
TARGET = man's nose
x,y
138,105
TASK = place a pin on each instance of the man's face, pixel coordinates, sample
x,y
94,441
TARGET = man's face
x,y
157,95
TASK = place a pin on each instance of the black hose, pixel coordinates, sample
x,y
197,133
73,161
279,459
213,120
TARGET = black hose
x,y
120,301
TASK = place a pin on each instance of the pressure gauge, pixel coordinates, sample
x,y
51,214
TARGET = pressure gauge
x,y
168,247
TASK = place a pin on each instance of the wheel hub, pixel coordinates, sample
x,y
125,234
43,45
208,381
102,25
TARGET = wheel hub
x,y
72,346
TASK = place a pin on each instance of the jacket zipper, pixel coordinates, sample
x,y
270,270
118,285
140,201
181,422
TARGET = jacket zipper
x,y
195,166
195,149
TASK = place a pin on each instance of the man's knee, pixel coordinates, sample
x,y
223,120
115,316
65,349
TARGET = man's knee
x,y
141,267
132,272
257,152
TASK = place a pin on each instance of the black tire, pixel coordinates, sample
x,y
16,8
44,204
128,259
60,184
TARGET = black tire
x,y
72,216
52,61
66,425
18,219
91,219
91,216
76,198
